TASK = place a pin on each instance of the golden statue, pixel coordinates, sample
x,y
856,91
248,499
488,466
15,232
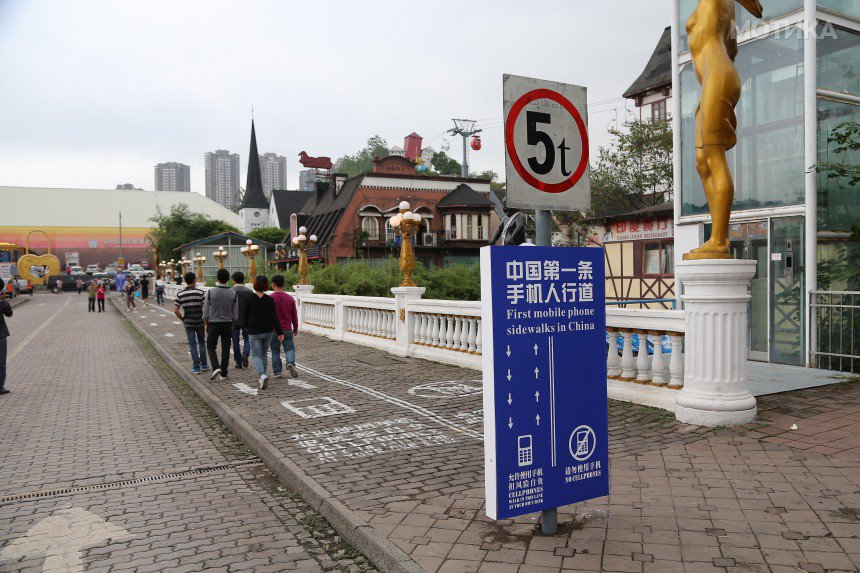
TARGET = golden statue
x,y
713,45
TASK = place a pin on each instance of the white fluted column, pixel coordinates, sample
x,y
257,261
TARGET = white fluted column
x,y
715,391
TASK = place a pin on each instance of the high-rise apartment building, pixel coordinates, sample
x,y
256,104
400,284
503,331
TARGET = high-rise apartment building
x,y
273,168
172,177
307,177
222,177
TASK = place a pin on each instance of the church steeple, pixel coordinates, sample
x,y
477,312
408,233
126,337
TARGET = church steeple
x,y
254,196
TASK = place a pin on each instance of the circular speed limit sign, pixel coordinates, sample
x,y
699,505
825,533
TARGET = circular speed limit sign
x,y
547,140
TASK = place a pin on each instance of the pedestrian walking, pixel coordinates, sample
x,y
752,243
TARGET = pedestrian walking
x,y
144,290
220,311
285,307
261,320
91,296
240,331
159,291
190,302
101,291
10,289
129,289
79,284
5,311
59,285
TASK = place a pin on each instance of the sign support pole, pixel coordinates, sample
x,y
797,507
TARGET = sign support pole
x,y
543,238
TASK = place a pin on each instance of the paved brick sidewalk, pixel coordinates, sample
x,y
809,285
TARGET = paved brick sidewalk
x,y
91,406
408,459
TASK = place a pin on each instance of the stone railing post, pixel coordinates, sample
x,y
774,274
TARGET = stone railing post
x,y
404,320
715,391
302,290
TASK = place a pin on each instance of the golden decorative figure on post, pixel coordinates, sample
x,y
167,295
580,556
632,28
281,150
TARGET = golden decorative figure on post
x,y
221,255
171,266
713,44
250,250
407,224
302,242
199,259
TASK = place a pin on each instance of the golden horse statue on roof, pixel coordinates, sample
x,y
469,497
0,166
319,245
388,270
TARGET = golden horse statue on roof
x,y
712,32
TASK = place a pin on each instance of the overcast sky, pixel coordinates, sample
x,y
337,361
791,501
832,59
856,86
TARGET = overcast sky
x,y
95,93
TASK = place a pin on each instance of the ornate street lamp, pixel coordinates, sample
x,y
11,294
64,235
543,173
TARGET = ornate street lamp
x,y
302,242
162,270
250,250
185,264
199,259
406,224
171,266
221,255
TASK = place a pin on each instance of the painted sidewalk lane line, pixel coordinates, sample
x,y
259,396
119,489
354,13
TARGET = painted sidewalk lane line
x,y
32,336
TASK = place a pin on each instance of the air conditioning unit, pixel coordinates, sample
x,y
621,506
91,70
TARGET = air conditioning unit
x,y
428,239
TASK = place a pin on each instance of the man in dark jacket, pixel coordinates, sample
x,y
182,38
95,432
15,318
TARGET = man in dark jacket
x,y
5,310
240,331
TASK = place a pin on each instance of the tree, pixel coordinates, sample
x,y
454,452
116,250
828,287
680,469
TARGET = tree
x,y
635,171
362,162
445,165
273,235
182,226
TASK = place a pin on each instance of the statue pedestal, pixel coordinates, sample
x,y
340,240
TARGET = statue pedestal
x,y
715,299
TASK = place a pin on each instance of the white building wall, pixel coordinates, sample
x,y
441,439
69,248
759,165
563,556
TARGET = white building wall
x,y
61,207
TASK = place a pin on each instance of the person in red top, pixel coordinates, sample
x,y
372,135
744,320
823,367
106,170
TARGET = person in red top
x,y
100,296
285,306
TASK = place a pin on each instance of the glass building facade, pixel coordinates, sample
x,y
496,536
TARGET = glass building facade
x,y
790,202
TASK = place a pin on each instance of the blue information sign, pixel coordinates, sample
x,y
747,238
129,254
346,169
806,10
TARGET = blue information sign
x,y
544,362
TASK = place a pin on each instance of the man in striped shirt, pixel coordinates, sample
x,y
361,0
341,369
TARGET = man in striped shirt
x,y
190,302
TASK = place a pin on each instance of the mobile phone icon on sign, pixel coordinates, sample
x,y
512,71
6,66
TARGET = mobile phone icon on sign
x,y
525,451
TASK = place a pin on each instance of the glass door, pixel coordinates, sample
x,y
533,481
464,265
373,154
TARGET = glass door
x,y
787,300
749,242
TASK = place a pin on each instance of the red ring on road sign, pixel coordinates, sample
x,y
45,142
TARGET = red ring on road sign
x,y
511,122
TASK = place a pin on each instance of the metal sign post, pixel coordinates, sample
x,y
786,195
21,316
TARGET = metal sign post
x,y
544,367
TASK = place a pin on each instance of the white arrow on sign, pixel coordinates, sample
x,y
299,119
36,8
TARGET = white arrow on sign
x,y
509,374
509,399
536,372
537,396
508,351
510,423
61,538
536,349
537,419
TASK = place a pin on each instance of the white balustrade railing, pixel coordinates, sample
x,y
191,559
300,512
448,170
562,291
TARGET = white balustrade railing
x,y
321,315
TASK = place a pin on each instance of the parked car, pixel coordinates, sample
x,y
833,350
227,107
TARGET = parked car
x,y
22,286
77,271
93,269
139,272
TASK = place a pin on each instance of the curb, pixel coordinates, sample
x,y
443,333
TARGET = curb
x,y
384,554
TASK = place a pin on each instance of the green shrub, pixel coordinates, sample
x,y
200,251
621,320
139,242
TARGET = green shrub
x,y
357,278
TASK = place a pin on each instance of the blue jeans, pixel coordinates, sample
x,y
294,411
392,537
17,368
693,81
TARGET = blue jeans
x,y
197,346
289,351
260,344
3,340
240,333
